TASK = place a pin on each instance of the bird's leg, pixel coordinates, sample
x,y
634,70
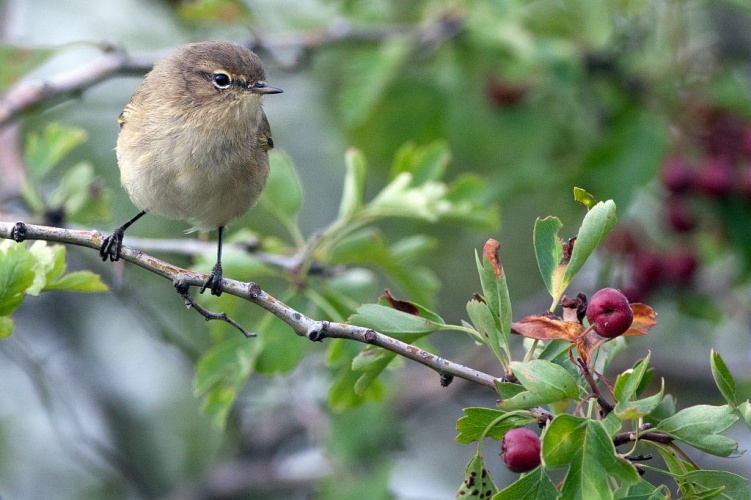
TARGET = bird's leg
x,y
214,281
112,244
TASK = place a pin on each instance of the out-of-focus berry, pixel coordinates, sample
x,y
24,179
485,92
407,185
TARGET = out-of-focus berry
x,y
716,178
679,215
677,176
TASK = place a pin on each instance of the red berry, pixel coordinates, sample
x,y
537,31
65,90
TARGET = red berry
x,y
746,146
647,268
621,241
724,134
680,267
520,449
504,93
716,178
679,215
677,176
609,313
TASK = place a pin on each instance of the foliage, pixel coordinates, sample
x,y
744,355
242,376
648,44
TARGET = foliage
x,y
531,97
353,240
78,194
30,270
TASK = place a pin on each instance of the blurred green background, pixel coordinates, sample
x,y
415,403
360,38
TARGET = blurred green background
x,y
535,97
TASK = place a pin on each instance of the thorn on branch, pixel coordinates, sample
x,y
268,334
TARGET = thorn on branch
x,y
183,289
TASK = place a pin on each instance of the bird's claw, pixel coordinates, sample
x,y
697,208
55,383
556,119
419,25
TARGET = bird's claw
x,y
214,281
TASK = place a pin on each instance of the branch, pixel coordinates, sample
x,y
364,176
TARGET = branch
x,y
605,406
302,325
115,62
71,83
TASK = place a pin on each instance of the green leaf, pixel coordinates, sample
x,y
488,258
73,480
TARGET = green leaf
x,y
700,426
745,410
536,485
643,491
595,227
16,61
282,195
424,163
6,327
16,275
477,481
392,322
81,194
50,269
675,464
549,254
280,352
496,295
627,388
723,378
45,150
400,198
353,192
486,325
479,422
585,446
221,372
342,394
402,260
733,486
222,12
46,261
372,72
640,407
371,362
545,382
79,281
584,198
468,195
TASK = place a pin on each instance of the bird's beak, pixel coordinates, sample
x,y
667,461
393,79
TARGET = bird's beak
x,y
264,88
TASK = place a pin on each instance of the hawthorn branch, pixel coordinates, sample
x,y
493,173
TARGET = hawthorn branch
x,y
312,329
605,406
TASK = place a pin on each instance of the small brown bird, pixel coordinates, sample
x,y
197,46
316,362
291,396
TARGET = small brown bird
x,y
194,142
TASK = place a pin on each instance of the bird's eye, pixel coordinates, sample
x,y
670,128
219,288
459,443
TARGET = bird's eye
x,y
221,80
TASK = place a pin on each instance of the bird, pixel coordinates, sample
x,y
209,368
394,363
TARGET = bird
x,y
193,142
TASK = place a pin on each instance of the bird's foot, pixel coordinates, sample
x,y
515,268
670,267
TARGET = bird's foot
x,y
214,281
112,245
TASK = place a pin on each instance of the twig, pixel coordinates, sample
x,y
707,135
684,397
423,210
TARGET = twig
x,y
184,292
605,406
302,325
71,83
287,263
114,62
630,436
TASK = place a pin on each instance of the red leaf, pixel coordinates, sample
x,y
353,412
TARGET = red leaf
x,y
401,305
644,319
491,249
545,328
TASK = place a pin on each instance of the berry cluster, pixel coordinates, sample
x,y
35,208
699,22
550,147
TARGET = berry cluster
x,y
648,269
713,174
723,170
